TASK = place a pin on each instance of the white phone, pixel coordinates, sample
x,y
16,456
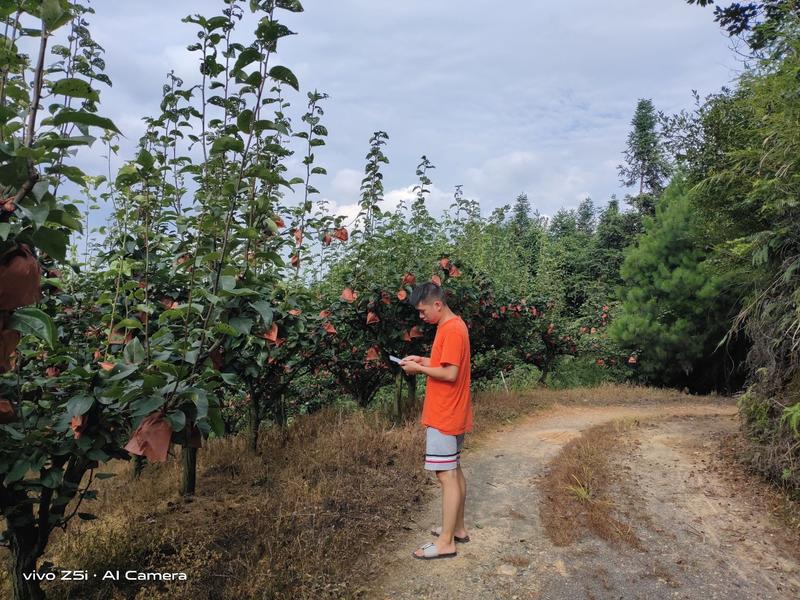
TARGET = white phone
x,y
394,359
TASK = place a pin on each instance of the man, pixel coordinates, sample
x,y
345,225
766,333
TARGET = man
x,y
447,413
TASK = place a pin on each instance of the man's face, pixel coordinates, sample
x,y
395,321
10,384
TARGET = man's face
x,y
430,312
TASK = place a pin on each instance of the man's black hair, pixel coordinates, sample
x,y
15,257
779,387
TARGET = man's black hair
x,y
427,292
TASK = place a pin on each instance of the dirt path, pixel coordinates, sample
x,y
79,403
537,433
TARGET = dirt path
x,y
701,536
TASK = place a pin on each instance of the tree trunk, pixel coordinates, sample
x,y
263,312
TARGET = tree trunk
x,y
411,380
283,413
138,466
405,397
23,560
398,398
548,363
254,420
188,469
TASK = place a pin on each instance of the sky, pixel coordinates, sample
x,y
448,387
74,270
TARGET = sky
x,y
503,98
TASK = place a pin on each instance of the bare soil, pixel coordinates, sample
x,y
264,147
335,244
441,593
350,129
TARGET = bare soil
x,y
702,527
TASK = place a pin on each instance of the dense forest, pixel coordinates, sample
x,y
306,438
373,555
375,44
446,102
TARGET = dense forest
x,y
222,298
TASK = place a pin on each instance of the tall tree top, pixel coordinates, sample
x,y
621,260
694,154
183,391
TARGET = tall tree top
x,y
645,165
758,23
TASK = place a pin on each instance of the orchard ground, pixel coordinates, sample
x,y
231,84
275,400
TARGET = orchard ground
x,y
660,506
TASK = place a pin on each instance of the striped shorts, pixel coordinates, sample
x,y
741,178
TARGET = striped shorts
x,y
442,452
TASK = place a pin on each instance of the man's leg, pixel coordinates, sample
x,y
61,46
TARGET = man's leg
x,y
452,501
461,530
441,457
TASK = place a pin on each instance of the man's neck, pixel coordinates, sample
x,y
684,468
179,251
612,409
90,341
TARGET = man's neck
x,y
446,316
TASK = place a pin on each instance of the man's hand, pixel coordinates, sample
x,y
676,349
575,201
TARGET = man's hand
x,y
411,367
446,373
422,360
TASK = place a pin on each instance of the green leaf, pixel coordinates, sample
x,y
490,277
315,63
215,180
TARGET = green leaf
x,y
84,118
51,13
244,120
32,321
122,372
5,229
290,5
36,212
241,324
270,31
246,56
87,516
18,471
52,479
239,292
128,324
225,329
134,352
229,378
283,74
75,88
227,282
265,173
98,455
177,420
217,424
79,405
104,475
145,159
52,241
264,308
217,22
226,143
200,399
72,173
62,218
147,405
51,142
264,124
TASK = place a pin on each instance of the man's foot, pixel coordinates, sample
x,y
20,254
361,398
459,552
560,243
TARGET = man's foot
x,y
460,537
432,550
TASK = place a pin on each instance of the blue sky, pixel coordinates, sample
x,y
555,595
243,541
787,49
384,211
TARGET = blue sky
x,y
503,98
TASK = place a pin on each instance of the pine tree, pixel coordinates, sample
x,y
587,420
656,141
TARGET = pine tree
x,y
586,217
611,238
527,230
564,223
671,303
521,215
645,165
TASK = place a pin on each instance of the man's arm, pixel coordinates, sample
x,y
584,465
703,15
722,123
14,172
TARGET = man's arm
x,y
422,360
447,373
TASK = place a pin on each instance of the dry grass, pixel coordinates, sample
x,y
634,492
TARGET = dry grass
x,y
294,521
576,498
288,523
516,560
734,464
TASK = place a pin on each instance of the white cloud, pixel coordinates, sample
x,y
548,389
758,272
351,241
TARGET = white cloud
x,y
545,114
348,211
436,202
513,165
346,184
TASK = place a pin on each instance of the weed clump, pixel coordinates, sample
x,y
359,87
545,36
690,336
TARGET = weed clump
x,y
576,496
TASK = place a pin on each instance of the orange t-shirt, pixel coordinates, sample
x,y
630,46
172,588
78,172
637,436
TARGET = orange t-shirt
x,y
447,405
